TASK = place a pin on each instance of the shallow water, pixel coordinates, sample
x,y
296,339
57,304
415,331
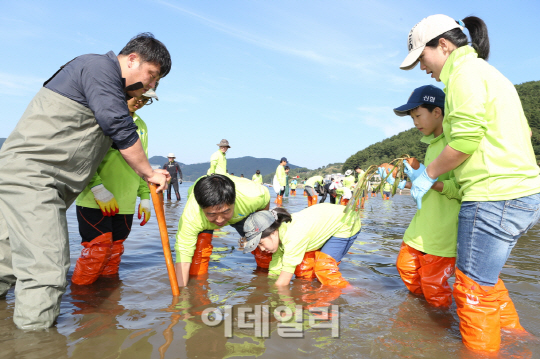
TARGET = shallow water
x,y
135,315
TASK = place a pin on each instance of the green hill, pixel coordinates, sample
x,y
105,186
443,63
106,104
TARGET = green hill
x,y
408,142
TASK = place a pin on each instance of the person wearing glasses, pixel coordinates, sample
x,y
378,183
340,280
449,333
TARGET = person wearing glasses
x,y
105,208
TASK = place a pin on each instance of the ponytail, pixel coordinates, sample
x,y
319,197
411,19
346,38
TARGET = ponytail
x,y
283,216
479,36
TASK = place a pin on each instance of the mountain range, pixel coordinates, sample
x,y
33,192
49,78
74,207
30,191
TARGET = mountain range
x,y
242,165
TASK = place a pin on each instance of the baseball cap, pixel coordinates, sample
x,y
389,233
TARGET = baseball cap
x,y
424,95
425,31
283,159
255,224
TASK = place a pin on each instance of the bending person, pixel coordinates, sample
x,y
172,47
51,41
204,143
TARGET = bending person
x,y
281,178
216,201
310,243
51,156
309,187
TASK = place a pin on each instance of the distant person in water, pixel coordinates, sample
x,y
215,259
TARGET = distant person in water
x,y
325,192
174,170
282,180
286,192
257,178
293,185
218,160
310,186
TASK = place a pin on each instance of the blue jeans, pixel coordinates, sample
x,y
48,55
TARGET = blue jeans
x,y
338,247
488,231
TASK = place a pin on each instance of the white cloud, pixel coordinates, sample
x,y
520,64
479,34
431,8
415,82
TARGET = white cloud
x,y
344,50
16,85
384,119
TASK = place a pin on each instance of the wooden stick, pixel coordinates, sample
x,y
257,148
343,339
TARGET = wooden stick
x,y
157,200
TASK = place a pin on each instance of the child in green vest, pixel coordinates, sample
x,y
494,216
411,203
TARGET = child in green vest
x,y
428,252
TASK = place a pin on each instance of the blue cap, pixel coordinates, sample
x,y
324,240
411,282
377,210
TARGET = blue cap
x,y
283,159
425,95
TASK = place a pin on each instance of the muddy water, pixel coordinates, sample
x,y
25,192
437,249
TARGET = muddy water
x,y
135,315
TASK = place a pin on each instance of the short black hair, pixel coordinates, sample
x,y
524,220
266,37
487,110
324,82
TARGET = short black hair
x,y
214,190
150,50
258,172
428,107
357,168
287,168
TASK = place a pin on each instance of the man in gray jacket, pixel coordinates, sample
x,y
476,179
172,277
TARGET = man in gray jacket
x,y
50,157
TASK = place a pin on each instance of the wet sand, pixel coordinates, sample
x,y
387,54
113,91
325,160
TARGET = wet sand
x,y
135,315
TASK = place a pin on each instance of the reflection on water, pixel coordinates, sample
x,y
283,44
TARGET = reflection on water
x,y
135,316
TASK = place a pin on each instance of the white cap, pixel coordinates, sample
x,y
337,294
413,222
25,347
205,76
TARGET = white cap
x,y
423,32
151,93
348,172
171,155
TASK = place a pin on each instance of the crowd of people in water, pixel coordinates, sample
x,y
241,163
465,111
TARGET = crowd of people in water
x,y
81,140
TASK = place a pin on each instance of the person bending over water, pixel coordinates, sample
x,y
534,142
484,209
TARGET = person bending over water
x,y
308,244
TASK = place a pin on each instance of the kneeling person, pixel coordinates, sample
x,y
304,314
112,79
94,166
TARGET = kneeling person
x,y
216,201
308,243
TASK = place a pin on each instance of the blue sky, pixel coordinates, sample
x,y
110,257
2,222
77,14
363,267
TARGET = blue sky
x,y
314,81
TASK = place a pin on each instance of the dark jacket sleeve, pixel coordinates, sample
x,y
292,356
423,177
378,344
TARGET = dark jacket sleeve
x,y
104,90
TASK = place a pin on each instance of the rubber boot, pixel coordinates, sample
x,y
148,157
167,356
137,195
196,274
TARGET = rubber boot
x,y
201,257
434,274
344,201
263,259
363,201
479,314
327,272
309,202
94,256
408,264
306,269
279,200
509,316
321,297
314,200
112,266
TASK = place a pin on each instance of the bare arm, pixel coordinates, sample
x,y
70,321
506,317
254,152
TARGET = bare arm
x,y
182,273
284,279
448,160
136,159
